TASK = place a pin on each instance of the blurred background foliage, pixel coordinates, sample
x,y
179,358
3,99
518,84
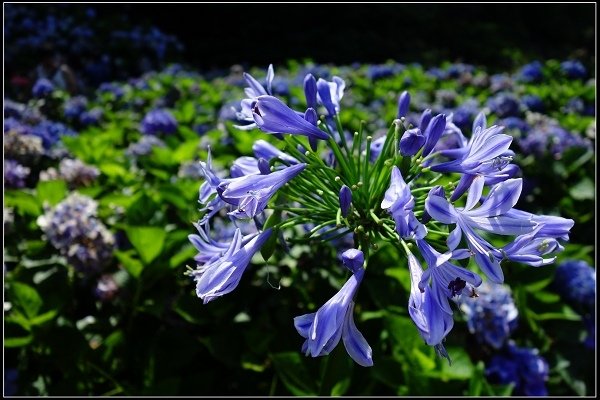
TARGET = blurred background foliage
x,y
109,311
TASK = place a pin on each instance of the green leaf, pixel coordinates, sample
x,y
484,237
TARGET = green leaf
x,y
268,248
26,298
293,373
583,190
17,341
187,252
147,240
477,380
112,170
338,371
24,203
187,150
43,318
133,266
51,191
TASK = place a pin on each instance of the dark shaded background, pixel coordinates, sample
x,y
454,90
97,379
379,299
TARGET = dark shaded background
x,y
496,35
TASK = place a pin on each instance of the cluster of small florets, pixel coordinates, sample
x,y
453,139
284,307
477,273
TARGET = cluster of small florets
x,y
75,230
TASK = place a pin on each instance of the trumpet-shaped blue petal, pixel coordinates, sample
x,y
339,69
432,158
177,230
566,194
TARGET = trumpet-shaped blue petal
x,y
264,149
431,320
273,116
400,203
334,321
412,140
434,131
330,94
447,279
345,197
310,91
252,193
243,166
223,275
403,104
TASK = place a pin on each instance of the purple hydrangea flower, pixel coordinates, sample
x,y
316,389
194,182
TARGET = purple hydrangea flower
x,y
75,230
491,314
504,105
144,146
523,367
573,69
42,88
158,122
15,174
531,72
91,117
335,319
75,106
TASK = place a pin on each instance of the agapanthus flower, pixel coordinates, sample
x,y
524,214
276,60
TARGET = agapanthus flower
x,y
490,216
222,275
411,142
250,194
335,319
491,314
447,280
345,197
264,149
400,203
330,94
243,166
432,321
403,104
273,116
486,155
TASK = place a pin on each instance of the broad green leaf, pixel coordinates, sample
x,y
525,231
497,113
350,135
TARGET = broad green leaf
x,y
26,298
17,341
51,191
338,373
293,373
187,252
583,190
131,265
147,240
24,203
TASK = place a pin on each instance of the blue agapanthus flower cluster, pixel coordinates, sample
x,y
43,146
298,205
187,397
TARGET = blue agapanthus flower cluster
x,y
339,183
74,229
